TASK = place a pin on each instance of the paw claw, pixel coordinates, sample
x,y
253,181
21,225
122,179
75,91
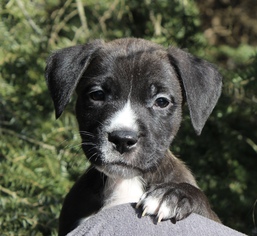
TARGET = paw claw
x,y
160,217
144,212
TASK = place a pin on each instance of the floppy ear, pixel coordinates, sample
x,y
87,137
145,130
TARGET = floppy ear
x,y
64,70
201,84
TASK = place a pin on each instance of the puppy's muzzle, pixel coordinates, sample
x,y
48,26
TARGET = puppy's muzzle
x,y
123,140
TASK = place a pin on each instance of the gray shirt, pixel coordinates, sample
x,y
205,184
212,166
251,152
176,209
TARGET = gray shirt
x,y
126,220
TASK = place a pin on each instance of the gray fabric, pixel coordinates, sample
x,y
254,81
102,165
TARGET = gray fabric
x,y
125,220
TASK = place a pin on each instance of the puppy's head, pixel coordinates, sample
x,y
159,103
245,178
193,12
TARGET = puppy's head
x,y
130,94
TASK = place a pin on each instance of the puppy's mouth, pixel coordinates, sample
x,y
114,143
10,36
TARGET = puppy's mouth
x,y
119,169
134,161
126,165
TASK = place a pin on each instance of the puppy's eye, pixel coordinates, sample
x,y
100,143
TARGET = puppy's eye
x,y
161,102
97,95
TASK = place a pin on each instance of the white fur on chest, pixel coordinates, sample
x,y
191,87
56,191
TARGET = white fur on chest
x,y
121,191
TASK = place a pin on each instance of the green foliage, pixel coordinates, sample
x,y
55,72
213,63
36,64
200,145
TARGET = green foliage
x,y
40,157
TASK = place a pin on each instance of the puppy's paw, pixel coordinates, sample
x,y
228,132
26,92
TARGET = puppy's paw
x,y
173,201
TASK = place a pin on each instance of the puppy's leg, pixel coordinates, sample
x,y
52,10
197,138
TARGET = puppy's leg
x,y
83,200
175,201
177,196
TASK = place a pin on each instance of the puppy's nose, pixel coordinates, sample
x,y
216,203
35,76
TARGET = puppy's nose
x,y
123,141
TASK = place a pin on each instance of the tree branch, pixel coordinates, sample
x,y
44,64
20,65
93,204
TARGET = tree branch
x,y
39,143
29,19
82,16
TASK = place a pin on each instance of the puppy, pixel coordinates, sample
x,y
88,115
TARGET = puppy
x,y
130,94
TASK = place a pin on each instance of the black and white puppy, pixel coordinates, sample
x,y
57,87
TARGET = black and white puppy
x,y
129,106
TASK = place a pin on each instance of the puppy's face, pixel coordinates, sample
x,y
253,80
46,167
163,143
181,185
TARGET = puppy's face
x,y
129,99
128,109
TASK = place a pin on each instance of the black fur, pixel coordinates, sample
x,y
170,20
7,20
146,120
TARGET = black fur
x,y
104,76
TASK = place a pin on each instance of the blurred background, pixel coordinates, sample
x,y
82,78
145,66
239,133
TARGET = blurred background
x,y
40,157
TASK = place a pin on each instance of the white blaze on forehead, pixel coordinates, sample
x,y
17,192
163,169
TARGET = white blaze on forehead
x,y
123,119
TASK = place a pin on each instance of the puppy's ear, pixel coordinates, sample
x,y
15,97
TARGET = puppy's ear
x,y
201,84
64,70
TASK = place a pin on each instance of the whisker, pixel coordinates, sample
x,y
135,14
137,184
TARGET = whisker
x,y
89,134
88,144
91,156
